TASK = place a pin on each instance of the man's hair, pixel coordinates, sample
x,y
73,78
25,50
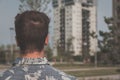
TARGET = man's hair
x,y
31,30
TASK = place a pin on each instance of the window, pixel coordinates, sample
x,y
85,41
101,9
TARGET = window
x,y
118,9
118,0
89,1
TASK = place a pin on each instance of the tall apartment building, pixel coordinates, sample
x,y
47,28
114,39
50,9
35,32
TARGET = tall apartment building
x,y
116,12
75,19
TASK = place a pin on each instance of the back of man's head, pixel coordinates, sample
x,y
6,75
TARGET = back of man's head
x,y
31,30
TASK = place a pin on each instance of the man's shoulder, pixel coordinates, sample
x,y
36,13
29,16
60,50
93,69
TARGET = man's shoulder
x,y
10,73
47,73
6,75
63,76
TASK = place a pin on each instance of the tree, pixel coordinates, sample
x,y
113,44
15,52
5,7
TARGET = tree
x,y
38,5
2,47
60,52
94,36
2,54
49,53
110,45
69,51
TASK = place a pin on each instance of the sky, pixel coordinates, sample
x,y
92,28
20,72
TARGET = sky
x,y
9,9
104,10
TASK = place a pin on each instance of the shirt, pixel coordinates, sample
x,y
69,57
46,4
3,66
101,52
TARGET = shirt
x,y
34,69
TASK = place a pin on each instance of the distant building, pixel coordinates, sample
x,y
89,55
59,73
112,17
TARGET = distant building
x,y
116,12
75,19
8,54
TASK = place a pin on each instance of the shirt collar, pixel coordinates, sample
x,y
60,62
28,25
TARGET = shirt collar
x,y
22,61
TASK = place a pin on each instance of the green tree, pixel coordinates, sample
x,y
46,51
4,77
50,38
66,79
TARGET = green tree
x,y
2,54
69,48
110,45
49,53
2,47
67,53
94,58
60,52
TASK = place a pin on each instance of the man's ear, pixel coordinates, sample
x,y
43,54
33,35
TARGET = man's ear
x,y
46,40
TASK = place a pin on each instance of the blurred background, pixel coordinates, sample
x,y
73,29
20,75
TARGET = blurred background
x,y
83,35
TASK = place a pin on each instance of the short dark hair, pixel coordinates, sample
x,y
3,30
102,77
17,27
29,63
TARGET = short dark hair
x,y
31,29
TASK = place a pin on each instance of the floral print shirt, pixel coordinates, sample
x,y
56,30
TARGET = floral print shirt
x,y
34,69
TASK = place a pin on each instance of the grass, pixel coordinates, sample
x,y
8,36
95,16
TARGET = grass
x,y
4,66
72,66
94,72
79,66
82,73
85,73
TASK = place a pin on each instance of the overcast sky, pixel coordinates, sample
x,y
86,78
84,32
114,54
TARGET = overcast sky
x,y
9,9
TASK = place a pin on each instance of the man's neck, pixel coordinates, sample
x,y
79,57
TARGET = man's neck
x,y
33,55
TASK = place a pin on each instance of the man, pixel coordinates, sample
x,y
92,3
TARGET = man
x,y
32,34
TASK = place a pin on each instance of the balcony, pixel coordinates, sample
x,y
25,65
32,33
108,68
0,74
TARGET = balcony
x,y
69,2
87,4
55,3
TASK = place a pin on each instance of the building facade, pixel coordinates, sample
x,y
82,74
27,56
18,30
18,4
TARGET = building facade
x,y
74,20
116,12
8,53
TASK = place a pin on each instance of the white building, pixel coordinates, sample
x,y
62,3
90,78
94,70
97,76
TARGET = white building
x,y
75,19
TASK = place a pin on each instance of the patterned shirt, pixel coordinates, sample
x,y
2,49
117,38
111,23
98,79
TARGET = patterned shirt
x,y
34,69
